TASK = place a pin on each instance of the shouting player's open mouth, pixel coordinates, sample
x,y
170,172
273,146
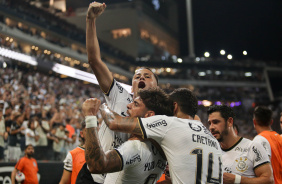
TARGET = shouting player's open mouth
x,y
141,84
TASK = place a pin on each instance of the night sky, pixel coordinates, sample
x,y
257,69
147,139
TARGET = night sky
x,y
235,25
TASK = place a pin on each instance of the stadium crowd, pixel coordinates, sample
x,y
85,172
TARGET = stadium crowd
x,y
42,110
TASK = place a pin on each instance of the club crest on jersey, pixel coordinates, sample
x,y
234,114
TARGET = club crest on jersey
x,y
241,164
194,127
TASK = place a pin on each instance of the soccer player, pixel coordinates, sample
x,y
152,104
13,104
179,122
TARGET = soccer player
x,y
116,96
74,161
28,166
244,161
271,140
140,161
193,154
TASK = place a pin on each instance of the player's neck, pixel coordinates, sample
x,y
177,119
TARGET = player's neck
x,y
260,129
229,141
29,157
182,115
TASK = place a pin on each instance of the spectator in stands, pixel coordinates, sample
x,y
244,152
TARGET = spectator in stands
x,y
270,140
31,135
42,144
3,133
14,150
51,140
70,128
28,166
58,147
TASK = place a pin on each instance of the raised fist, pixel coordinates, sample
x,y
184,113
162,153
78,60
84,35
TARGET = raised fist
x,y
95,9
90,107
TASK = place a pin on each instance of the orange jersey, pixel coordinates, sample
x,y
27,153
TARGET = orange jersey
x,y
71,130
162,178
74,162
29,167
275,141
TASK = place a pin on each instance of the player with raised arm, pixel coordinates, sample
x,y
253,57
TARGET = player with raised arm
x,y
116,96
140,161
244,161
193,154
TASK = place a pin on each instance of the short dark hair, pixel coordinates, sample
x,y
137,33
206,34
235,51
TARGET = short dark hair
x,y
263,115
157,100
186,100
31,120
83,125
155,75
26,146
225,111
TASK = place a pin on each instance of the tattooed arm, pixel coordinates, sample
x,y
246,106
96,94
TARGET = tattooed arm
x,y
118,123
97,160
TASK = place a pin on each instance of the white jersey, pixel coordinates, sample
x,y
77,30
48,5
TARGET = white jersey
x,y
244,157
264,142
142,163
30,140
193,154
117,98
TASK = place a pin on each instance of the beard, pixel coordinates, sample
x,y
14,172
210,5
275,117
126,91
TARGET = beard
x,y
30,154
223,134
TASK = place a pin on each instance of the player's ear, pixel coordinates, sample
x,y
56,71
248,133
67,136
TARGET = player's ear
x,y
175,107
149,114
230,122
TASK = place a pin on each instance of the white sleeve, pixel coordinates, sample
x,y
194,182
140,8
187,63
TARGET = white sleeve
x,y
154,127
258,154
68,162
117,98
130,153
264,142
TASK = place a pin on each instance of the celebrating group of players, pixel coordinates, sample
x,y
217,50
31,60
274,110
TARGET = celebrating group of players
x,y
146,131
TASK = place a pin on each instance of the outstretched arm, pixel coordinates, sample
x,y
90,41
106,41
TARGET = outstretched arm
x,y
99,68
118,123
97,160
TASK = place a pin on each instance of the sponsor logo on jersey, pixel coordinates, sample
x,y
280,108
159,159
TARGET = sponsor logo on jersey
x,y
161,164
241,164
149,166
119,88
117,142
157,124
194,127
129,100
264,145
258,154
227,169
135,158
241,149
